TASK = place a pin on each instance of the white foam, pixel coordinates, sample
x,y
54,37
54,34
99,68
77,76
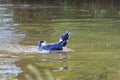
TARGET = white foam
x,y
65,49
12,48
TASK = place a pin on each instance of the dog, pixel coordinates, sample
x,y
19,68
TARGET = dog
x,y
55,46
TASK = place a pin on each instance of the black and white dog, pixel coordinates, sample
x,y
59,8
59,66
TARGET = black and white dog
x,y
55,46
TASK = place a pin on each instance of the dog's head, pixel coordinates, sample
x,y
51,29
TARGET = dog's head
x,y
65,36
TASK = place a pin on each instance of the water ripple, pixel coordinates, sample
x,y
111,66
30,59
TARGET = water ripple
x,y
12,48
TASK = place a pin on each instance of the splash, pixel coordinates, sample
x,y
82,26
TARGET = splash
x,y
13,48
56,51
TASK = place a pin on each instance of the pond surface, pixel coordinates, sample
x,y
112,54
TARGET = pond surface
x,y
95,40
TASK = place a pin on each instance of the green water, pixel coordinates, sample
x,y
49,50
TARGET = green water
x,y
95,40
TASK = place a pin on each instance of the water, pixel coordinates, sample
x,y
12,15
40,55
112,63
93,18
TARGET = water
x,y
95,40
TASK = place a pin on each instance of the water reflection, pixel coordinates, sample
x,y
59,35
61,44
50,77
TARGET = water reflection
x,y
8,70
8,33
63,57
65,68
9,36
